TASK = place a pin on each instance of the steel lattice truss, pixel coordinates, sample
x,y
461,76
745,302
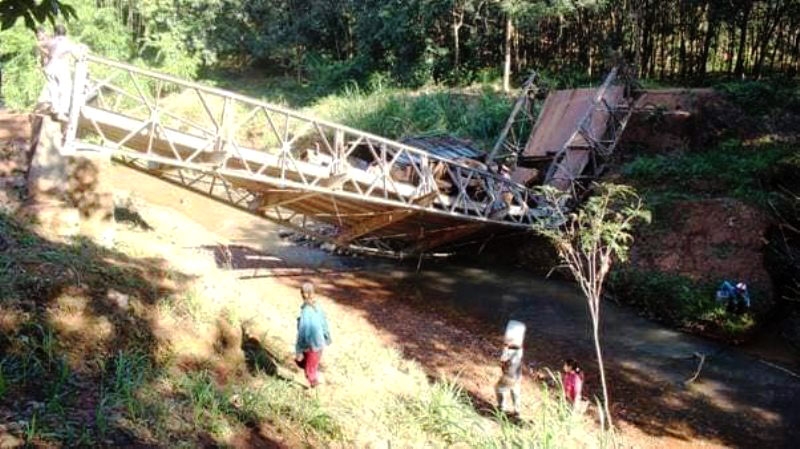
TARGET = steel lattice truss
x,y
327,180
523,116
598,133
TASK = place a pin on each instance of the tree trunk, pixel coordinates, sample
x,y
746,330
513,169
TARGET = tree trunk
x,y
704,52
458,22
776,49
507,51
600,364
731,46
796,56
739,71
457,55
768,31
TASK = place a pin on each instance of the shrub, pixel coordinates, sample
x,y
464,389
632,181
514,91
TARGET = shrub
x,y
679,301
761,97
22,77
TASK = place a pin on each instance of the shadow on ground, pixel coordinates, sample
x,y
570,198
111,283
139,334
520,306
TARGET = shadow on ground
x,y
451,314
72,316
81,351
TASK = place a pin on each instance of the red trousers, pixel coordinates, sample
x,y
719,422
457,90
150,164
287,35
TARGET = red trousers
x,y
310,365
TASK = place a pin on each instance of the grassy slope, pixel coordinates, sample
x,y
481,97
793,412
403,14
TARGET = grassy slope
x,y
149,342
476,113
743,171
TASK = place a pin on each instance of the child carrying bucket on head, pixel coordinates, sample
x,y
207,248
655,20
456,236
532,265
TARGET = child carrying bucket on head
x,y
511,365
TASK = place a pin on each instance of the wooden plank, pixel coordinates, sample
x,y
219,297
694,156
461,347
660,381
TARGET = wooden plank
x,y
570,168
382,220
280,200
379,221
446,235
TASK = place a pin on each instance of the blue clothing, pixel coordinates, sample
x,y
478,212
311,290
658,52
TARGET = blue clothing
x,y
312,329
725,292
731,295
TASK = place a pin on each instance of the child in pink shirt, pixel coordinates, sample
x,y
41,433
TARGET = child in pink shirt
x,y
572,379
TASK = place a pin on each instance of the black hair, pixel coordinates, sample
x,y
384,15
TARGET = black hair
x,y
60,30
572,363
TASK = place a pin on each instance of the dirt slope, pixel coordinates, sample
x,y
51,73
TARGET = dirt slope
x,y
710,240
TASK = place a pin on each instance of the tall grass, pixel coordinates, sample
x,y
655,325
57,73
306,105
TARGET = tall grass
x,y
445,412
280,401
394,113
732,168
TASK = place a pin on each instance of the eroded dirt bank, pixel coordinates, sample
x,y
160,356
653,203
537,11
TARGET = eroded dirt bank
x,y
449,318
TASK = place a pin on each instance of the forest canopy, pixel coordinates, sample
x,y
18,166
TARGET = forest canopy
x,y
454,42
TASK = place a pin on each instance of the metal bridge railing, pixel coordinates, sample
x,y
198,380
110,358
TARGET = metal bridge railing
x,y
168,122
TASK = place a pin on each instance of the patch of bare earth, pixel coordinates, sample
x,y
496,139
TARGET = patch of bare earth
x,y
716,238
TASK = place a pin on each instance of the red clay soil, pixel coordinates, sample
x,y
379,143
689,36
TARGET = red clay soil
x,y
14,126
684,119
708,240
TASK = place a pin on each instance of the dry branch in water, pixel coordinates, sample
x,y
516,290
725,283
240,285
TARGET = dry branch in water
x,y
700,364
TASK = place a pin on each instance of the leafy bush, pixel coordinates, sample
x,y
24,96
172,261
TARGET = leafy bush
x,y
731,168
668,297
678,301
327,75
761,97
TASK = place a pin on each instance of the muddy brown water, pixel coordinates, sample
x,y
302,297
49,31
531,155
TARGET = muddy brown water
x,y
740,399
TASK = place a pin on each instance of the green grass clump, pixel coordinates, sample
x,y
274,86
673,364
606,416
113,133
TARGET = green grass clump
x,y
679,301
447,413
279,401
731,169
760,97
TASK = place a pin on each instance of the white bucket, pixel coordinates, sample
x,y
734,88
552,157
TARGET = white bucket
x,y
515,332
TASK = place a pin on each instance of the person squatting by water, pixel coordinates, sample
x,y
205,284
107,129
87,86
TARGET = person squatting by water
x,y
572,380
735,298
313,335
55,53
511,366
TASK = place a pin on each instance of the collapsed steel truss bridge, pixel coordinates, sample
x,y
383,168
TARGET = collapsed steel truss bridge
x,y
329,181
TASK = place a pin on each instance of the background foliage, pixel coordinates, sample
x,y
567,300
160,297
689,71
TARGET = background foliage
x,y
415,42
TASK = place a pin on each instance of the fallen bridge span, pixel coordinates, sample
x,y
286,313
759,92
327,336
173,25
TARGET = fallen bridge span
x,y
330,181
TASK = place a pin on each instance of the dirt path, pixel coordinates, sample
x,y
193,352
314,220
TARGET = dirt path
x,y
448,318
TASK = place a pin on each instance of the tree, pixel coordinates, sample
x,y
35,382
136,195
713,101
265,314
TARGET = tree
x,y
589,239
32,12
